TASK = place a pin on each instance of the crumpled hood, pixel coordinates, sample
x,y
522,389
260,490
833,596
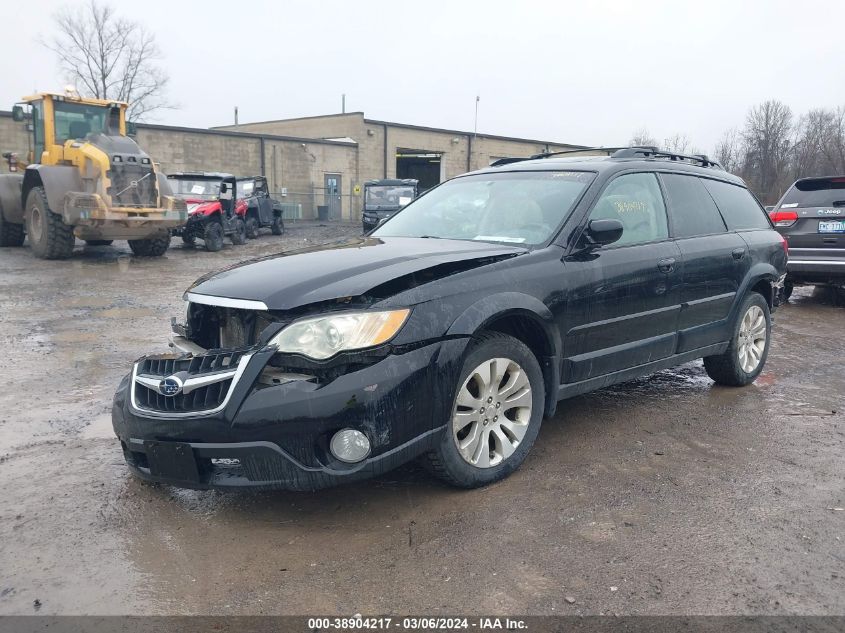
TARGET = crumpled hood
x,y
346,269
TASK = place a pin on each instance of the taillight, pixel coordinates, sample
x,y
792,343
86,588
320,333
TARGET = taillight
x,y
784,218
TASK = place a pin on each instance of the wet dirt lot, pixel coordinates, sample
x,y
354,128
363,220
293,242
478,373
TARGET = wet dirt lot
x,y
663,495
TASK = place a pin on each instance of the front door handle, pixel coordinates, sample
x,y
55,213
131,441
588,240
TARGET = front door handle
x,y
666,265
738,253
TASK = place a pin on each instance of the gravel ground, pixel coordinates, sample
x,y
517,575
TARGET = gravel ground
x,y
665,495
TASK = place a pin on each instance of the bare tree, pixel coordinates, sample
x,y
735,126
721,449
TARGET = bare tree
x,y
678,143
642,138
767,138
729,151
109,57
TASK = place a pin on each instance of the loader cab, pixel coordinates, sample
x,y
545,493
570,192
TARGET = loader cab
x,y
56,119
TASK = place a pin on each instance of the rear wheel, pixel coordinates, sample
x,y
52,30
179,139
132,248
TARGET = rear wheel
x,y
251,228
99,242
746,355
496,414
189,240
213,236
11,234
239,234
49,236
278,226
155,247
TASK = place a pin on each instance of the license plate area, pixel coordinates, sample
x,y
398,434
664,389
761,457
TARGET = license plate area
x,y
172,460
831,226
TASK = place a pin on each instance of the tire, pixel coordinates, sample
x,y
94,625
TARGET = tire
x,y
748,349
11,234
213,236
189,240
510,443
49,236
251,228
99,242
788,287
239,234
154,247
278,226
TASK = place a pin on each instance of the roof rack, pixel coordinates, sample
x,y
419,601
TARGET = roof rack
x,y
653,152
645,151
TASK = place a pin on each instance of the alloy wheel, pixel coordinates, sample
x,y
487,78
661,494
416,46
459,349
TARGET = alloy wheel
x,y
492,412
751,341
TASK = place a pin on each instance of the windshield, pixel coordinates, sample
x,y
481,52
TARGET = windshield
x,y
251,187
387,196
198,189
523,208
75,121
818,192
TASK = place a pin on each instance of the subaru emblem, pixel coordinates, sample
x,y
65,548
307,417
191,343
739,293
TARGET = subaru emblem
x,y
170,386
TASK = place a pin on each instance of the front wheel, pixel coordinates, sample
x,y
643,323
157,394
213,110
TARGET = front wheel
x,y
496,413
212,236
154,247
11,234
748,349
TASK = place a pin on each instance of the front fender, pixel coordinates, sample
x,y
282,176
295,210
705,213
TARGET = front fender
x,y
491,308
57,180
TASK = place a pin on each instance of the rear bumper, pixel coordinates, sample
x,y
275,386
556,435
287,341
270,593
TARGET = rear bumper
x,y
93,219
816,265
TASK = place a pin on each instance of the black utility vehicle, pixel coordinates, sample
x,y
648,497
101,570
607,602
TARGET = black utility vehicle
x,y
213,210
262,211
383,198
451,331
811,215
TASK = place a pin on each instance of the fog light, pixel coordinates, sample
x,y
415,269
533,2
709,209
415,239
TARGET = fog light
x,y
350,446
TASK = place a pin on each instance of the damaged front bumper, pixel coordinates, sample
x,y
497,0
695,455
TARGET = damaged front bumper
x,y
236,420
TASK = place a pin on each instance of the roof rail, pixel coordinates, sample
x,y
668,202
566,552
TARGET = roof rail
x,y
652,152
645,151
514,159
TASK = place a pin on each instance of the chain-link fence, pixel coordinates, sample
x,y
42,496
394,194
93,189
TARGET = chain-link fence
x,y
319,204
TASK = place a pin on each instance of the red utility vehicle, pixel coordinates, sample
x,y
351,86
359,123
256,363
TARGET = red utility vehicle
x,y
213,210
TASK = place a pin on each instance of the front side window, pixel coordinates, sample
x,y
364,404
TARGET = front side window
x,y
739,208
74,121
516,207
636,201
691,207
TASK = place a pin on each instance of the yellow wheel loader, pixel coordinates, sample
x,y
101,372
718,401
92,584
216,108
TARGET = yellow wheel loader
x,y
86,179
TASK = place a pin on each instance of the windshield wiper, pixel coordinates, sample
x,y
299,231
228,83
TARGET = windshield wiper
x,y
839,203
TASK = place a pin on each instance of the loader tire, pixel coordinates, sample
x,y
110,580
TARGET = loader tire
x,y
154,247
49,236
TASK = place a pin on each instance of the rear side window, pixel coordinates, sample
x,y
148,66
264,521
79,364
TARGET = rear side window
x,y
815,192
739,208
691,208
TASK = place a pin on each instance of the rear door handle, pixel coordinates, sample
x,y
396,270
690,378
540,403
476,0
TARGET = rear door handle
x,y
738,253
666,265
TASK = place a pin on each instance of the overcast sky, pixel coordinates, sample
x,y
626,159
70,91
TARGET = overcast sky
x,y
587,72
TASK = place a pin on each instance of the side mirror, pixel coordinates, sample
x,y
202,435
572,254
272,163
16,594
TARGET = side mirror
x,y
603,232
18,113
131,128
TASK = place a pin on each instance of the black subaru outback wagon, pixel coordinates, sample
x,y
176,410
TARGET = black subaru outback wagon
x,y
451,331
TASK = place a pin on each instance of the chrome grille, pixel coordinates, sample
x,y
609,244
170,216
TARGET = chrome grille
x,y
206,382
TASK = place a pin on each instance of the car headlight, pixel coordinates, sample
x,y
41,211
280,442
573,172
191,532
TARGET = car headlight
x,y
323,337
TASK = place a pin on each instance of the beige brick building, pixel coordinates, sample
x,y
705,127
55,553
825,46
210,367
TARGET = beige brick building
x,y
314,161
